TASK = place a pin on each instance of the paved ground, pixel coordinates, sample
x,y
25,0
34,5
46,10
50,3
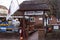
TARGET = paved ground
x,y
50,36
34,36
4,36
53,36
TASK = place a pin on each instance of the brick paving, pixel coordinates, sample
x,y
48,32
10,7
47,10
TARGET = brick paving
x,y
53,36
49,36
34,36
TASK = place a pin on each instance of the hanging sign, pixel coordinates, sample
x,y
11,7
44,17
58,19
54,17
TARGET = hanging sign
x,y
56,27
33,13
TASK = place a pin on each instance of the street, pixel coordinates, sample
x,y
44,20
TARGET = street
x,y
34,36
5,36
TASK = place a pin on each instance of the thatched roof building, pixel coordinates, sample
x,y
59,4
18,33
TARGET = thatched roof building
x,y
33,5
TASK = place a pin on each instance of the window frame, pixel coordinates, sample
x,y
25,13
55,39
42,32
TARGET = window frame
x,y
32,20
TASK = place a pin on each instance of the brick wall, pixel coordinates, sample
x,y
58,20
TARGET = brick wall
x,y
37,21
53,21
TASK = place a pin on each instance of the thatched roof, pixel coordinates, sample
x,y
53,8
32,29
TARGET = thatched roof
x,y
33,5
18,13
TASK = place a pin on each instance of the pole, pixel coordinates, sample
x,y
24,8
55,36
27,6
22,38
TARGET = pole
x,y
25,33
21,34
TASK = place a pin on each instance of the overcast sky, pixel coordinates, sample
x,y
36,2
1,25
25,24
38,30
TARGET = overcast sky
x,y
8,2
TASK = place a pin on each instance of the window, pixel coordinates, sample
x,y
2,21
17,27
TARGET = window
x,y
50,18
46,22
32,19
58,20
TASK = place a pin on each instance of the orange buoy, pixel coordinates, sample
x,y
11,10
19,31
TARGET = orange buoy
x,y
21,38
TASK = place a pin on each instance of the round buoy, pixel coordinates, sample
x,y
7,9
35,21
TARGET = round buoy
x,y
21,38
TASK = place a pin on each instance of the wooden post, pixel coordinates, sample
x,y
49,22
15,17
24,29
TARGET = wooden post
x,y
25,33
41,34
21,34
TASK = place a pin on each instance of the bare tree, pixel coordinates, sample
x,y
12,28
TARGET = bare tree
x,y
53,7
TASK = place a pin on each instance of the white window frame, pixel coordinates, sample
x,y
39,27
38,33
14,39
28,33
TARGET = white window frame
x,y
32,20
58,20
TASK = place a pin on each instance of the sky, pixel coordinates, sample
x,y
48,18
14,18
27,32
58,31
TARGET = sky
x,y
7,3
12,5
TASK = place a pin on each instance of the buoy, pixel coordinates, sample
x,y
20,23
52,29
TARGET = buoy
x,y
21,35
21,38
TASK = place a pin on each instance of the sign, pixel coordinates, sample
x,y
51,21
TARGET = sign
x,y
20,31
56,27
40,18
3,28
33,13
